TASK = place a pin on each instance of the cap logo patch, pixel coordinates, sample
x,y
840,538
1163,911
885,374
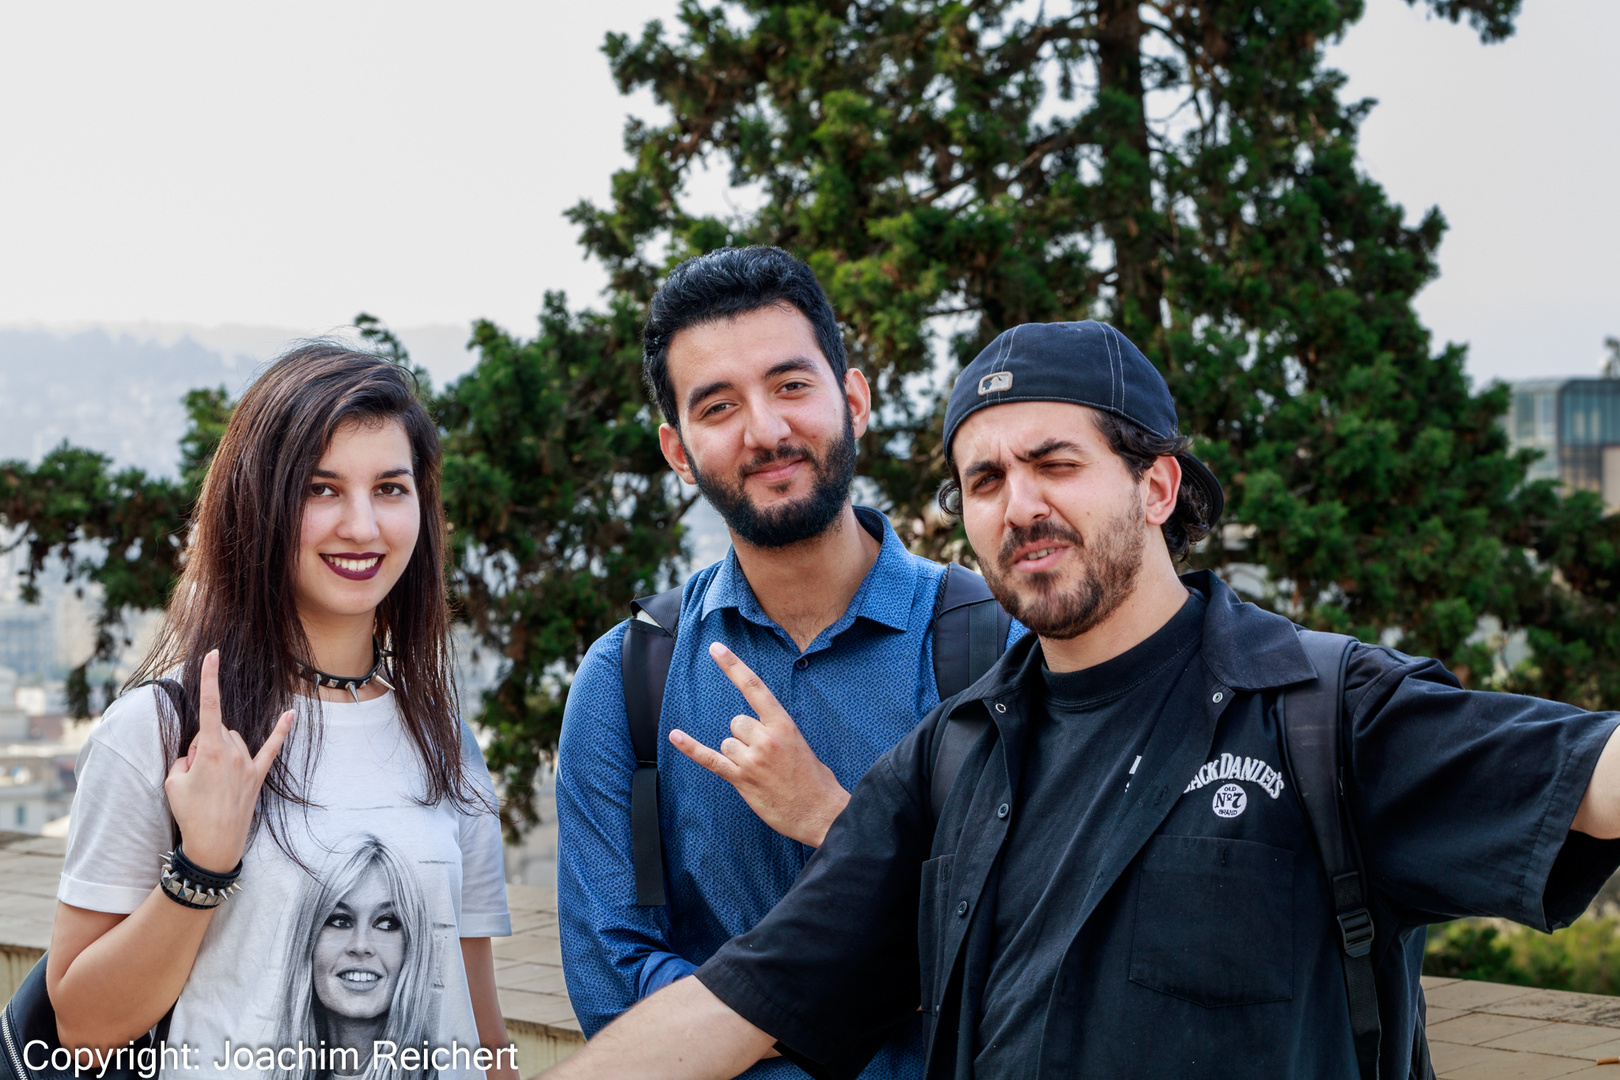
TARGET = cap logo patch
x,y
999,380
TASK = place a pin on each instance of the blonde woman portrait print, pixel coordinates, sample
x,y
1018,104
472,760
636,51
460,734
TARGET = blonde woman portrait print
x,y
362,967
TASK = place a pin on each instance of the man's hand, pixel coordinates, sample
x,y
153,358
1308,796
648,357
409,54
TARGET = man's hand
x,y
768,761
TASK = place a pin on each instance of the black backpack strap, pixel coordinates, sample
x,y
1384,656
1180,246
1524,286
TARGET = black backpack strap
x,y
1312,725
182,709
954,743
649,645
970,634
970,630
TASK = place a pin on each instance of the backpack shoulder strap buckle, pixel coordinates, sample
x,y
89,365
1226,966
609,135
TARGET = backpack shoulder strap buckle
x,y
1356,931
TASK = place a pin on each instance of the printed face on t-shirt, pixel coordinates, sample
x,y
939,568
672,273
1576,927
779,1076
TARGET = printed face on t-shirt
x,y
359,951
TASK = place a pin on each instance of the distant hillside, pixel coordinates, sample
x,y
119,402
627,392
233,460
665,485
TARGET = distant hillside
x,y
120,395
118,390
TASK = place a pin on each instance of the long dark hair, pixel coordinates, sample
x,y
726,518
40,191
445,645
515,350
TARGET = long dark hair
x,y
236,592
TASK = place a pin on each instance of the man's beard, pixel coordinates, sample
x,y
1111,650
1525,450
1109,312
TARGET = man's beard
x,y
1111,563
791,522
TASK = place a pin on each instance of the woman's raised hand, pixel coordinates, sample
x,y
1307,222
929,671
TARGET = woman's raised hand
x,y
213,789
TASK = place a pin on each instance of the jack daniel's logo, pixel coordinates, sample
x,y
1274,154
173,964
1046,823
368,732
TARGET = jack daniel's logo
x,y
1248,769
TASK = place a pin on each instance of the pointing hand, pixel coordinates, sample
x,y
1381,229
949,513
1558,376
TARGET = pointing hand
x,y
768,762
213,789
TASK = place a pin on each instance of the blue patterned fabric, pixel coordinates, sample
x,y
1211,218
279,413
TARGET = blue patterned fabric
x,y
864,682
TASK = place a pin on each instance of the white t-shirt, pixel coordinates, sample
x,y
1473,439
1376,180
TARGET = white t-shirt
x,y
364,951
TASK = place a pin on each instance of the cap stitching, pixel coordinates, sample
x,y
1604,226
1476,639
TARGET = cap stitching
x,y
1116,369
1119,352
1006,352
1102,328
1088,403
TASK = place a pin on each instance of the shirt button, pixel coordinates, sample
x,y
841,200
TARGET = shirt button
x,y
802,662
1003,810
961,909
1218,698
1000,707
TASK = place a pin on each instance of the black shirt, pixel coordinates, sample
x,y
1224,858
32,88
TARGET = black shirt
x,y
1206,945
1087,728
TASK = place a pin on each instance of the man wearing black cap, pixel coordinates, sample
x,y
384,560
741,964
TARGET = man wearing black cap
x,y
1096,860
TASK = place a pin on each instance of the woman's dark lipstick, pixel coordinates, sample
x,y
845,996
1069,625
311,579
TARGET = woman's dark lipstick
x,y
355,567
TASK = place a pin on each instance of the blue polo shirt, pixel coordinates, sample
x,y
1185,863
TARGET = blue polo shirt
x,y
860,686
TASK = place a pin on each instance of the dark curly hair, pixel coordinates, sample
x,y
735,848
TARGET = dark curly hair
x,y
1140,448
724,284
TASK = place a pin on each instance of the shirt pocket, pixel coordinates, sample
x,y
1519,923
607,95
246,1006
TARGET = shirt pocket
x,y
1215,921
931,922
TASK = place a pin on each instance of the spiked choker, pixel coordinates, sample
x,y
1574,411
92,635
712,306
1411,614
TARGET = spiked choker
x,y
353,683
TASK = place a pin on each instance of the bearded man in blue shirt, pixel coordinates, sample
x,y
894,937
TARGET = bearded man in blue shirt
x,y
818,601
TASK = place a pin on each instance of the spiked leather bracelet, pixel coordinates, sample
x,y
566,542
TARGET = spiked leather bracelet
x,y
189,885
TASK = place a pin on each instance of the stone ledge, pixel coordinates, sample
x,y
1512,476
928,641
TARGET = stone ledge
x,y
1488,1031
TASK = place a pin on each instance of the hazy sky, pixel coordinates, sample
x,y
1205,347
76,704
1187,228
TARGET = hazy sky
x,y
286,166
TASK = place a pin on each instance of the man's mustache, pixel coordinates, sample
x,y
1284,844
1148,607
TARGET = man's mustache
x,y
1045,529
771,458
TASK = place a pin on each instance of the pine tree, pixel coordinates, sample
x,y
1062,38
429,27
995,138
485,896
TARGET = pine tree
x,y
122,531
563,510
1184,170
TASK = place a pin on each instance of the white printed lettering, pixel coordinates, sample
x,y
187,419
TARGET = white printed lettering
x,y
30,1045
1250,770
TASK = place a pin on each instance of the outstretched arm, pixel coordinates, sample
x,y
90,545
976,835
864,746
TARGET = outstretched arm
x,y
1599,813
683,1032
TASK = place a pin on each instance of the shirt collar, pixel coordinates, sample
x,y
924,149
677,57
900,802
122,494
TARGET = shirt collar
x,y
885,595
1246,648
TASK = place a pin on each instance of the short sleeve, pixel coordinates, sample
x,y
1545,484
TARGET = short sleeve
x,y
483,866
120,823
1464,799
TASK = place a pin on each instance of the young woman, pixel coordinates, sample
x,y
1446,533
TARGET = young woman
x,y
302,744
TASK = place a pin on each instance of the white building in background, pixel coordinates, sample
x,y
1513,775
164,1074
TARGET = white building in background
x,y
36,786
37,751
1575,423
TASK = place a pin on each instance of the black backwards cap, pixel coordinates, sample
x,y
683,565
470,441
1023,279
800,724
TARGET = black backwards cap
x,y
1083,363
